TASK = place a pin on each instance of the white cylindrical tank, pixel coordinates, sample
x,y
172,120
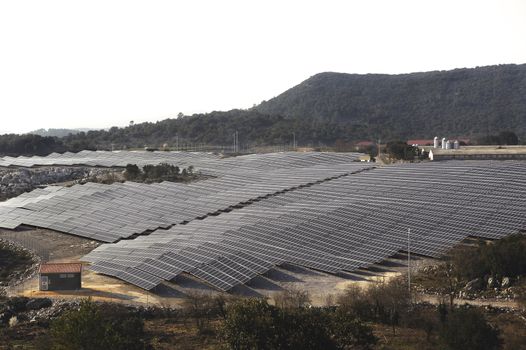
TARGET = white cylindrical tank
x,y
435,142
448,144
443,143
456,144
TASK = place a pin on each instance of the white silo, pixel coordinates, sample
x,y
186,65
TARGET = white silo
x,y
448,144
443,143
435,142
456,144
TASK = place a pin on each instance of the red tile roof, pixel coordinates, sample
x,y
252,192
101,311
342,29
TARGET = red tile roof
x,y
420,142
61,268
365,143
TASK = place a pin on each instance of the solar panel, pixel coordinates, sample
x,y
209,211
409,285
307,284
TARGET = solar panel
x,y
319,210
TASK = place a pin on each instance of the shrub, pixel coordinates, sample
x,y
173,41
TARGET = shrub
x,y
505,257
466,328
254,324
251,324
380,302
291,298
93,327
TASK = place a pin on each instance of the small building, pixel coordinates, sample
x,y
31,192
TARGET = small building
x,y
365,158
60,276
420,142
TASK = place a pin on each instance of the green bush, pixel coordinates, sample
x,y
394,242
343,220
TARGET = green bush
x,y
95,327
156,173
505,257
254,324
400,150
466,329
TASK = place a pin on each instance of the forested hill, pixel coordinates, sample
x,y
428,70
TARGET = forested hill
x,y
329,107
452,103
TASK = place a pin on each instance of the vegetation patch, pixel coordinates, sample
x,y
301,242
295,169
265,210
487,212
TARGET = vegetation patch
x,y
158,173
488,269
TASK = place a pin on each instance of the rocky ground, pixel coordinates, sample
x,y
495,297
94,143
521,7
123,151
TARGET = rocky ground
x,y
16,264
21,309
14,182
490,290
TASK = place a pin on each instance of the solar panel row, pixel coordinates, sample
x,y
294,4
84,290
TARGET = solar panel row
x,y
335,225
110,212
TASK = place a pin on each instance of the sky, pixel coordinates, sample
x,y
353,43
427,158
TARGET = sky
x,y
97,64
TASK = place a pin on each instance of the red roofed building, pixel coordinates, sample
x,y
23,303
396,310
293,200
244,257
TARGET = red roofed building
x,y
60,276
420,142
365,144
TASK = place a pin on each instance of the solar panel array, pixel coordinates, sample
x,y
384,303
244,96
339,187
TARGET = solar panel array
x,y
334,226
109,159
319,210
111,212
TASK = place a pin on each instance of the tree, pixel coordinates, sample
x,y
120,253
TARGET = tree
x,y
92,327
400,150
291,298
254,324
504,257
467,329
390,300
448,280
250,324
381,302
132,172
202,308
502,138
508,138
357,301
28,145
351,332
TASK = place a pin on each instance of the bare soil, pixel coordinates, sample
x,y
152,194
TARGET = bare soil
x,y
323,288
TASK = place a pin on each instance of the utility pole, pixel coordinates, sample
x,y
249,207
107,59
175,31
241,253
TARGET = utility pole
x,y
236,142
379,149
409,259
294,141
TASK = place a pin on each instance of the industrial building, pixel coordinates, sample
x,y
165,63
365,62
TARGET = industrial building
x,y
61,276
478,153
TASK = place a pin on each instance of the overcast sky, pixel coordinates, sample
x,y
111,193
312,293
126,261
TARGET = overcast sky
x,y
96,64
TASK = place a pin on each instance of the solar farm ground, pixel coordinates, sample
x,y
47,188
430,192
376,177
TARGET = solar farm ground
x,y
324,214
322,287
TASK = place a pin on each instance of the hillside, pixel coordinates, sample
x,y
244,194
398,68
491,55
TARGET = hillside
x,y
482,100
57,132
328,107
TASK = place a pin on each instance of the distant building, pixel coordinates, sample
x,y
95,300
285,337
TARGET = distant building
x,y
60,276
365,158
420,142
478,152
364,144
